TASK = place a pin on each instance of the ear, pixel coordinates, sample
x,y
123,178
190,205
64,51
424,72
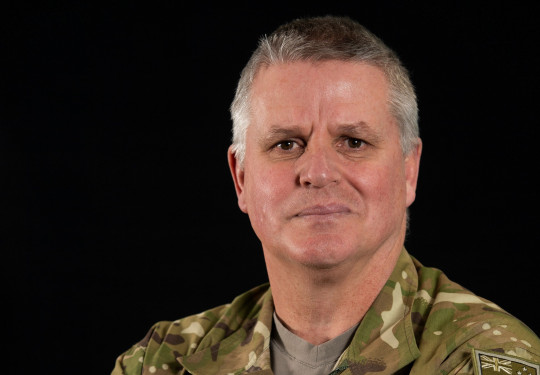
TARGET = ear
x,y
238,177
412,168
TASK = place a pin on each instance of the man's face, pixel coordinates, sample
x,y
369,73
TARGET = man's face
x,y
324,179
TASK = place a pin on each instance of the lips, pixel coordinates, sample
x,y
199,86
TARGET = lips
x,y
321,210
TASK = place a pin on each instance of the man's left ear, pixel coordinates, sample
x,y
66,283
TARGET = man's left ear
x,y
237,173
412,168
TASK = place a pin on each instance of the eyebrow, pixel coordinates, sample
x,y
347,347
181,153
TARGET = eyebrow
x,y
278,132
360,130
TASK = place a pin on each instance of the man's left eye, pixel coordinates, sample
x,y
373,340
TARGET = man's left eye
x,y
354,142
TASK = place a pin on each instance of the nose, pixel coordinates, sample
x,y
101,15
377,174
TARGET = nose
x,y
318,167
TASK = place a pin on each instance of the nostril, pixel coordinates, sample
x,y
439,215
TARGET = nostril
x,y
318,165
318,174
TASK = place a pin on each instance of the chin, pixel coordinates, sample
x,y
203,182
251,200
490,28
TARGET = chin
x,y
320,264
326,253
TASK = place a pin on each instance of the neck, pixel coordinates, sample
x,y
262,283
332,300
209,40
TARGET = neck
x,y
320,304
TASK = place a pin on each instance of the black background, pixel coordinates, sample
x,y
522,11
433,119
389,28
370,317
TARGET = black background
x,y
117,204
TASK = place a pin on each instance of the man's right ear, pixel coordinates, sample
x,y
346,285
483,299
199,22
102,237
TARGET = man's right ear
x,y
237,173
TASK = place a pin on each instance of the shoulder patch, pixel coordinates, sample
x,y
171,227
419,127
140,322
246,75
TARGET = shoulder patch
x,y
495,363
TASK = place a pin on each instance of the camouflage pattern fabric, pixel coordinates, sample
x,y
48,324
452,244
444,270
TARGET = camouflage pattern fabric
x,y
421,323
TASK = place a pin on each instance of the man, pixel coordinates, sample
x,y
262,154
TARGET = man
x,y
325,160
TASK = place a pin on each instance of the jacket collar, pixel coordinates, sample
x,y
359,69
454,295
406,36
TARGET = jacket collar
x,y
247,348
386,328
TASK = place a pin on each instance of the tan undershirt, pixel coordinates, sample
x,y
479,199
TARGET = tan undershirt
x,y
291,354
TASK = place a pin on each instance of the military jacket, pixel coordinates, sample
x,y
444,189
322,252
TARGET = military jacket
x,y
420,323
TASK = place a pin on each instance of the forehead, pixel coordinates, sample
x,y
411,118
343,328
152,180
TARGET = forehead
x,y
329,91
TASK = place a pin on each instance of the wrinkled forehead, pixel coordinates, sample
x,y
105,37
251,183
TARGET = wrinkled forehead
x,y
332,91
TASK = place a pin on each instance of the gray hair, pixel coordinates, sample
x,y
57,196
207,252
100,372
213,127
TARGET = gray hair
x,y
322,39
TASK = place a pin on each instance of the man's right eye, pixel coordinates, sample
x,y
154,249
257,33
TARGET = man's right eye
x,y
286,145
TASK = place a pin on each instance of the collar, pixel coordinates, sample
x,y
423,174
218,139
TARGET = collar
x,y
246,349
384,339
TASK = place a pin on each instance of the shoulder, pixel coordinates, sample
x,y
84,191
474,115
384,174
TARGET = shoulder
x,y
450,321
166,341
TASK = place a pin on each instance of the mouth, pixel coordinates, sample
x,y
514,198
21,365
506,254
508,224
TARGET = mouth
x,y
323,210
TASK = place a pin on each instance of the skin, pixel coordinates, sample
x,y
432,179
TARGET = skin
x,y
326,187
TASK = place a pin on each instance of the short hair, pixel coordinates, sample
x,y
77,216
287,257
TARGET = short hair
x,y
321,39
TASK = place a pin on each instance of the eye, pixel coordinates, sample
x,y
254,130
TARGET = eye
x,y
286,149
286,145
354,142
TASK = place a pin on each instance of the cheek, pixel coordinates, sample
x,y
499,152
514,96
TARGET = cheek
x,y
383,186
266,191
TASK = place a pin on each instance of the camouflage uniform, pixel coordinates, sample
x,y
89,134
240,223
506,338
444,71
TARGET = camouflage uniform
x,y
421,323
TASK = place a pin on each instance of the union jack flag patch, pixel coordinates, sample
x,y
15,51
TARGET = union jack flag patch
x,y
494,363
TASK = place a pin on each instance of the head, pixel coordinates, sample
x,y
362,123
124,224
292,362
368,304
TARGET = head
x,y
321,39
325,154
